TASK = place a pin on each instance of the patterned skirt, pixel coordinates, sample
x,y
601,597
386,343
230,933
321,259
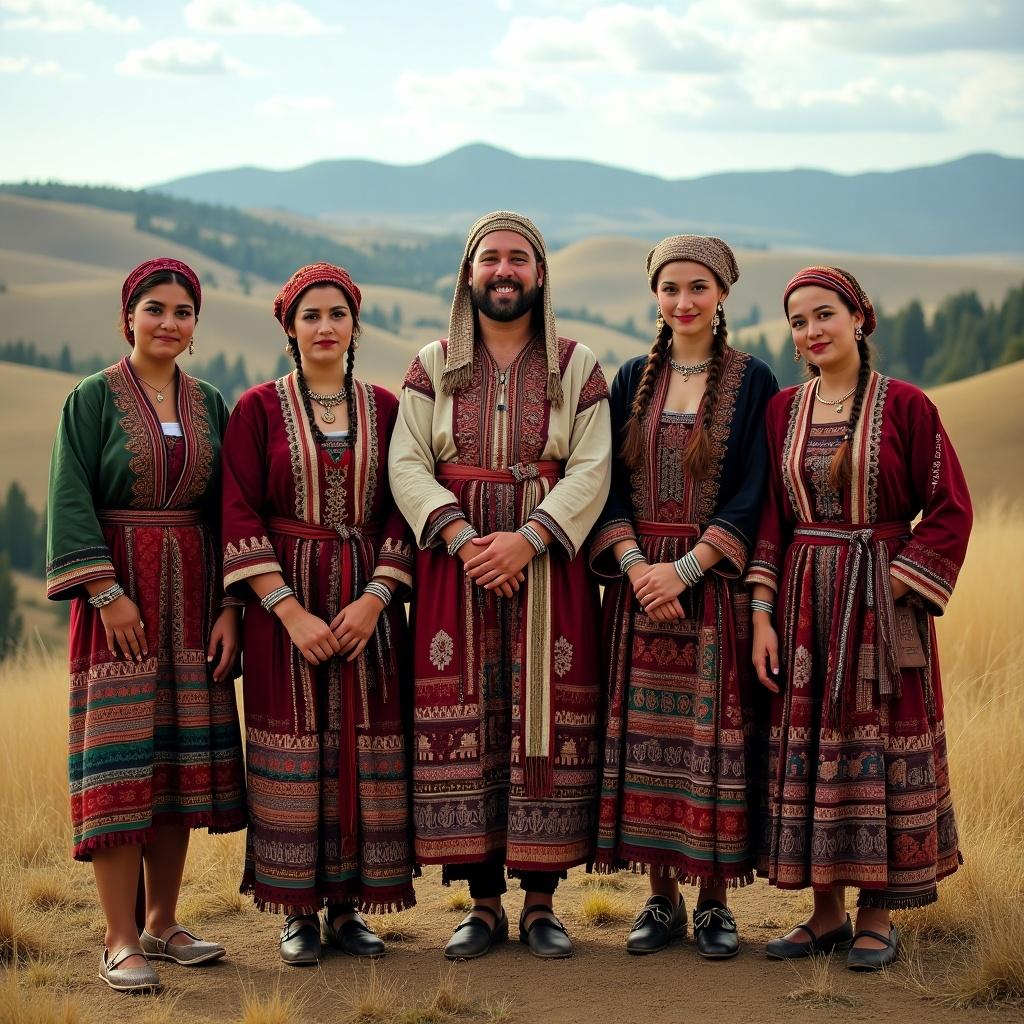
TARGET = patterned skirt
x,y
154,742
678,786
867,803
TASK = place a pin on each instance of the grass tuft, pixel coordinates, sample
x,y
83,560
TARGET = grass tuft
x,y
598,908
373,997
458,901
818,987
29,1005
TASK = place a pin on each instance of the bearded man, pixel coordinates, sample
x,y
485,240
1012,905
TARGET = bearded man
x,y
500,461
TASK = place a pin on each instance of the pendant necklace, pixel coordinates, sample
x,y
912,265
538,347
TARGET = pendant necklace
x,y
688,371
159,392
328,402
836,403
502,384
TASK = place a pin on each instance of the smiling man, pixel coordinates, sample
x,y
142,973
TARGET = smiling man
x,y
500,462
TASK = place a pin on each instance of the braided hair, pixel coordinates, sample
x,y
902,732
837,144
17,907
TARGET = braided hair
x,y
697,454
350,361
840,472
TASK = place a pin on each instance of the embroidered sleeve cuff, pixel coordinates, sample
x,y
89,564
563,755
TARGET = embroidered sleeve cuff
x,y
247,558
437,521
67,574
927,573
400,576
602,545
558,535
733,546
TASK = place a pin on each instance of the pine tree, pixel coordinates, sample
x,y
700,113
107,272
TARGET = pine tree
x,y
19,532
10,621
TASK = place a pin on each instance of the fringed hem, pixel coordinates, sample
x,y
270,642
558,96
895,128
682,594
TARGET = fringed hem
x,y
280,903
683,871
875,900
213,823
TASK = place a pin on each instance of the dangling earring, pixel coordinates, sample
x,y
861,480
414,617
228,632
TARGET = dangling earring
x,y
717,319
858,333
191,346
355,344
796,354
659,323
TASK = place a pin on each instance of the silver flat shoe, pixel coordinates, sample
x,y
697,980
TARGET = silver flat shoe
x,y
195,953
127,979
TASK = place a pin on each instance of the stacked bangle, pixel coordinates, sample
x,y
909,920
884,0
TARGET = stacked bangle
x,y
108,596
276,596
689,569
378,590
463,537
634,556
757,605
535,539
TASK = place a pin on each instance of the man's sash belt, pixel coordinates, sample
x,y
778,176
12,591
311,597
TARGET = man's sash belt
x,y
865,578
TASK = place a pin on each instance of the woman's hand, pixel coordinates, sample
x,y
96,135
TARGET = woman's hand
x,y
310,634
497,561
657,588
898,587
225,635
765,654
354,624
123,625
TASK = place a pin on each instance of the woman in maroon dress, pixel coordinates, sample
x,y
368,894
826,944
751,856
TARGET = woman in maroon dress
x,y
858,780
314,544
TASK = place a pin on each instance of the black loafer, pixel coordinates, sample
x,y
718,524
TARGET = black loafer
x,y
355,937
300,940
546,936
657,924
838,938
714,928
874,959
474,937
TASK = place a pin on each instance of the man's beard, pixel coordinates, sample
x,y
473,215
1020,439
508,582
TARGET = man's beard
x,y
504,308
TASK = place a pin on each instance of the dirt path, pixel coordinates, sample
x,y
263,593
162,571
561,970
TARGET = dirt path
x,y
601,984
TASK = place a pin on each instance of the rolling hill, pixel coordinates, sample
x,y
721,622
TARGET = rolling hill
x,y
966,205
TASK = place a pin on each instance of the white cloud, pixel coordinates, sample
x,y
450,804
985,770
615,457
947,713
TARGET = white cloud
x,y
64,16
250,16
181,57
26,65
622,36
290,106
486,91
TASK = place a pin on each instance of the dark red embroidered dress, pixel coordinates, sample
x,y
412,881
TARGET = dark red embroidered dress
x,y
859,784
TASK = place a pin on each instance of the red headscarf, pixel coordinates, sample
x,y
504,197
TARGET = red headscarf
x,y
142,271
307,277
843,283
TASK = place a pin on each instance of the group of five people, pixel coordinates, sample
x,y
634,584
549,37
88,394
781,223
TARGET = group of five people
x,y
756,692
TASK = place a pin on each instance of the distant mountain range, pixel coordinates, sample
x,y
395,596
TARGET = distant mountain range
x,y
970,205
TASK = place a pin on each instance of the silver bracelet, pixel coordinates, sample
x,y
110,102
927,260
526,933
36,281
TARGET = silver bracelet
x,y
634,556
688,569
276,596
378,590
108,596
535,539
757,605
463,537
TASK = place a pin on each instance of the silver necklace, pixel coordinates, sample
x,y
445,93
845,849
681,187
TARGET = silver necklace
x,y
688,371
836,403
328,402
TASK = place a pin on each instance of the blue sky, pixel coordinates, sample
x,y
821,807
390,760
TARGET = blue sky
x,y
106,91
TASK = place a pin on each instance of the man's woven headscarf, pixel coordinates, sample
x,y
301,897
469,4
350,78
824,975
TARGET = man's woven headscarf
x,y
458,367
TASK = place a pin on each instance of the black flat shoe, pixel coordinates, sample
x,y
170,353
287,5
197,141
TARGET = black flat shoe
x,y
657,924
474,937
838,938
714,928
355,937
874,959
546,936
300,940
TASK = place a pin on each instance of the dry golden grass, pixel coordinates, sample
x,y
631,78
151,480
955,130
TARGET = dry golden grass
x,y
273,1007
600,908
458,901
615,882
818,986
373,997
29,1004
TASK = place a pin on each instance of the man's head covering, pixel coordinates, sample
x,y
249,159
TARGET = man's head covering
x,y
144,270
707,250
461,327
309,277
837,280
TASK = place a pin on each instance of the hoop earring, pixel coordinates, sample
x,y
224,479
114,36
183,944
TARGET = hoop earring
x,y
796,355
717,319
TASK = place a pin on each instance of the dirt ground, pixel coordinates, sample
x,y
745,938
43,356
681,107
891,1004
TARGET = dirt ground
x,y
601,984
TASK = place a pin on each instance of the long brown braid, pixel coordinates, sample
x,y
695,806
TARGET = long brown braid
x,y
350,362
840,472
697,454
